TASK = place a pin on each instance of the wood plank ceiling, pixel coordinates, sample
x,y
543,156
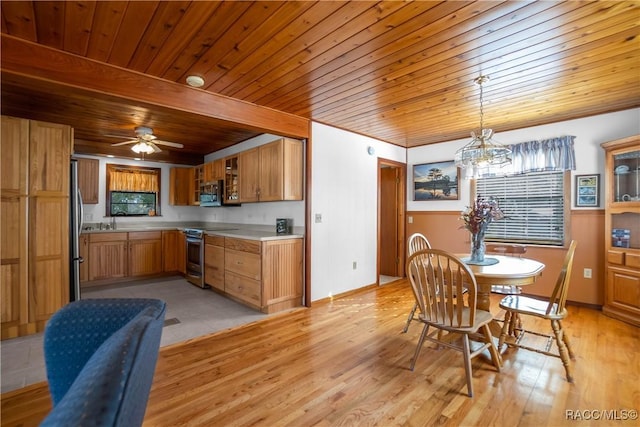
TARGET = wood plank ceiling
x,y
399,71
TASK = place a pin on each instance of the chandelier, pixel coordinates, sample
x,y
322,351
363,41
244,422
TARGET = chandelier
x,y
481,153
142,147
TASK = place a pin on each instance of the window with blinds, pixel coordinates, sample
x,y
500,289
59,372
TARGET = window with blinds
x,y
533,204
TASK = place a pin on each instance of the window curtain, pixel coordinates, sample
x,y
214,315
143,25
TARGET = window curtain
x,y
555,154
133,180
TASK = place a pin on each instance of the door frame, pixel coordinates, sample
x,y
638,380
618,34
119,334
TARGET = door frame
x,y
401,214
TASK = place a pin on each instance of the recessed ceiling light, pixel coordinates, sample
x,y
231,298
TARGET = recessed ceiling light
x,y
195,81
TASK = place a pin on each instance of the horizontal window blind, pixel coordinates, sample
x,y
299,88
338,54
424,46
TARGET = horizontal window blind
x,y
533,205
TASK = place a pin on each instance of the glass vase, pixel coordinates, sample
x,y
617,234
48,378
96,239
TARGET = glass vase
x,y
478,248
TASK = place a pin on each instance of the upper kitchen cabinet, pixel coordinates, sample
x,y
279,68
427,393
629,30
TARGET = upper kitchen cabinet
x,y
180,186
88,175
213,171
35,223
272,172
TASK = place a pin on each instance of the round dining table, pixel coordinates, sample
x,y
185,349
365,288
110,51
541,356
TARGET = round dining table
x,y
509,270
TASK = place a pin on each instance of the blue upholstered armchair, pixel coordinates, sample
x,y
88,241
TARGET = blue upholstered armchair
x,y
100,356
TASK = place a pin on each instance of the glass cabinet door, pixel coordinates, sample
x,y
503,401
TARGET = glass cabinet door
x,y
626,177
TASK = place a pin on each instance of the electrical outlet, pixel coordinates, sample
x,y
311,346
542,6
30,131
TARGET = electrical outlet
x,y
318,218
355,265
587,273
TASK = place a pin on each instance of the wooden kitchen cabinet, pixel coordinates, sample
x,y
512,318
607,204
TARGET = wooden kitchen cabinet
x,y
35,223
622,229
88,176
214,262
145,253
173,250
271,172
195,182
266,275
180,186
213,171
108,254
231,181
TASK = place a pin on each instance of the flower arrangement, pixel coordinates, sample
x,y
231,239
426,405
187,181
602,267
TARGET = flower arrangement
x,y
476,219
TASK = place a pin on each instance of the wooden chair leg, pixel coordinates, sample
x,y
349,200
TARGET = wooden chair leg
x,y
467,363
562,349
565,338
496,359
410,318
505,329
425,330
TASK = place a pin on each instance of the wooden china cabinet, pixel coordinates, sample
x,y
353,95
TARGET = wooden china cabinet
x,y
622,229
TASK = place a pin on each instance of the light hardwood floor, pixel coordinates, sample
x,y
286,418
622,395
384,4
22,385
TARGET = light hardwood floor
x,y
345,362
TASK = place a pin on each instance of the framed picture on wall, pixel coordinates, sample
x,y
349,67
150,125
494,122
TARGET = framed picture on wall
x,y
588,190
436,181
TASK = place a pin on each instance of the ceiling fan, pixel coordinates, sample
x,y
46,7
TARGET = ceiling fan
x,y
146,142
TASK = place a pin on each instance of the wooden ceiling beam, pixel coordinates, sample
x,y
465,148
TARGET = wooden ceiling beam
x,y
39,62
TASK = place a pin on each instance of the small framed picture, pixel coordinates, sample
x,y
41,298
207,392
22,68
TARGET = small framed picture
x,y
588,190
436,181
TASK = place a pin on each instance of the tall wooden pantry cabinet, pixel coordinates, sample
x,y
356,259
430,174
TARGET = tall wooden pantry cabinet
x,y
34,240
622,229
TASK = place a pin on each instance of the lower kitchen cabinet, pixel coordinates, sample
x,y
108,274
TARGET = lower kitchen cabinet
x,y
173,251
108,255
214,262
145,253
266,275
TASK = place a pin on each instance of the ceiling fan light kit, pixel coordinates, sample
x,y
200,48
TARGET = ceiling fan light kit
x,y
142,147
481,153
146,142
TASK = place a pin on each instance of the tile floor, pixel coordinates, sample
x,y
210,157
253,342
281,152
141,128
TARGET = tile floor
x,y
191,312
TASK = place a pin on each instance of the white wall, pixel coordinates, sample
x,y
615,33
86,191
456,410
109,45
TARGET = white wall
x,y
590,132
345,194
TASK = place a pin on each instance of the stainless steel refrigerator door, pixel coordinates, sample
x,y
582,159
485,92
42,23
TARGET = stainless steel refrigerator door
x,y
76,216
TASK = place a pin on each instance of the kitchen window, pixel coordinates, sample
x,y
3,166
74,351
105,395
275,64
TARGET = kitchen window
x,y
536,207
133,191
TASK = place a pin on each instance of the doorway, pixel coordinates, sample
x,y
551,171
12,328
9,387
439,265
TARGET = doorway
x,y
391,226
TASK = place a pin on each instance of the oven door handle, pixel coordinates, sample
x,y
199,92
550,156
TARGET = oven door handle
x,y
193,240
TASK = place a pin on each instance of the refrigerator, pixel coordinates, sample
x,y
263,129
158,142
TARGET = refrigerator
x,y
76,216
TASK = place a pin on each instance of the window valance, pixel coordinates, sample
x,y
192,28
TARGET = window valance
x,y
134,180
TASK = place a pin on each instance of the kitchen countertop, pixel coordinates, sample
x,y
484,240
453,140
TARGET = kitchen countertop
x,y
239,231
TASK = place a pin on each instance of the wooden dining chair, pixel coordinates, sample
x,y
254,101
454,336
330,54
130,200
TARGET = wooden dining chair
x,y
437,278
417,242
509,250
552,309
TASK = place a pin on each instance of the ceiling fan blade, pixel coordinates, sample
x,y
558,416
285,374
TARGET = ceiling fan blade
x,y
124,143
156,149
169,144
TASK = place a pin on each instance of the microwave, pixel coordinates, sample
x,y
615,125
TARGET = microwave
x,y
211,194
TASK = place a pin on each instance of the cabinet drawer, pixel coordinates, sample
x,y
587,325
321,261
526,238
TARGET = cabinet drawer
x,y
243,263
145,235
632,260
243,288
107,237
615,257
252,246
214,240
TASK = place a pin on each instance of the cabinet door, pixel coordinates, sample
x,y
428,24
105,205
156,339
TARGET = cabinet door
x,y
14,161
108,259
271,171
13,265
170,239
182,253
207,172
218,170
88,175
623,294
180,186
214,266
48,256
145,253
249,175
49,156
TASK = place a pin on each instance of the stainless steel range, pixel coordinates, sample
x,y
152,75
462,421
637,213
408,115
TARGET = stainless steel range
x,y
195,256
